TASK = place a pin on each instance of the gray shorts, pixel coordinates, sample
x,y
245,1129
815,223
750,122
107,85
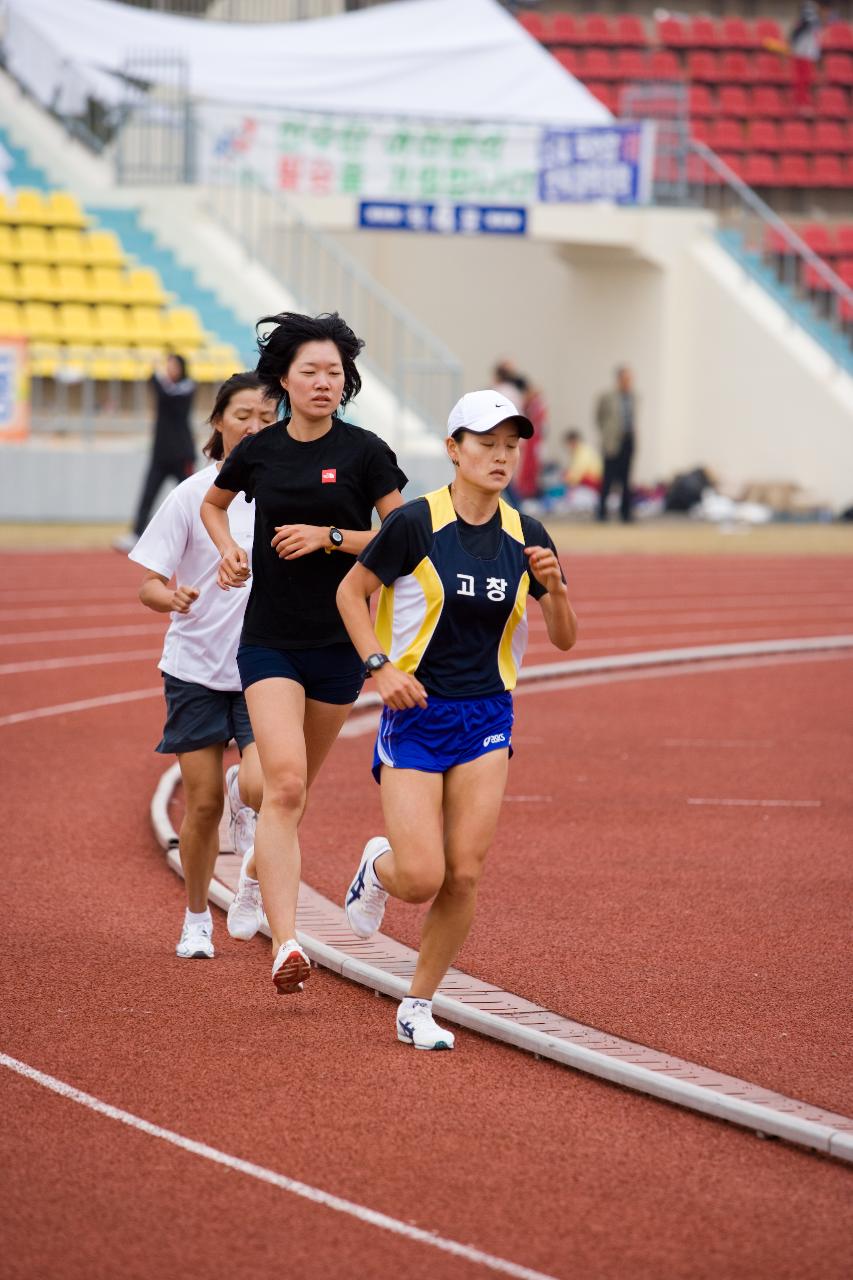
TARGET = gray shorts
x,y
198,717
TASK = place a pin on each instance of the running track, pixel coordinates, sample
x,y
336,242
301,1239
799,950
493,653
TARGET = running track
x,y
712,930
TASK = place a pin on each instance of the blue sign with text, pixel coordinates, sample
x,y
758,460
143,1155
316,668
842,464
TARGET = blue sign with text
x,y
442,218
613,162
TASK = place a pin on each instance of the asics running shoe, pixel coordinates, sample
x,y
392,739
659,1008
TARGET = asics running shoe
x,y
416,1025
366,899
243,819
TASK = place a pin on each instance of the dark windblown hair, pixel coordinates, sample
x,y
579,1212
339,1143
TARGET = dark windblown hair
x,y
246,381
173,355
279,346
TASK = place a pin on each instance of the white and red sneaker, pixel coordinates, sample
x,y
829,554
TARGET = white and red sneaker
x,y
291,968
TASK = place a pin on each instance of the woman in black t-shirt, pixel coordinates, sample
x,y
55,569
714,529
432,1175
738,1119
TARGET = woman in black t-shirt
x,y
315,482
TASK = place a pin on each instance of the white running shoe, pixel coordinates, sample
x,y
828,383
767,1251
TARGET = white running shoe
x,y
243,818
291,968
366,899
246,913
416,1025
196,941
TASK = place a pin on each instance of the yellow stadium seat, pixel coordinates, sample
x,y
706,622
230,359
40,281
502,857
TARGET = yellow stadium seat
x,y
109,285
36,282
105,366
77,324
73,284
6,254
11,320
9,287
183,328
31,244
147,327
145,287
68,246
103,249
40,322
112,326
29,208
5,209
44,359
64,211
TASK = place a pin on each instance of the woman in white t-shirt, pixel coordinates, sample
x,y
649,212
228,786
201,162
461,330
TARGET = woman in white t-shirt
x,y
204,702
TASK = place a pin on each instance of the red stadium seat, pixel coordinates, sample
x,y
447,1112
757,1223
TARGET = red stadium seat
x,y
535,25
733,100
796,135
673,34
828,171
703,131
597,30
737,34
774,242
763,135
814,280
831,102
570,59
631,64
838,38
736,68
769,101
845,270
760,171
703,66
664,65
844,239
630,32
704,34
838,69
597,64
605,93
565,29
734,161
818,237
829,135
726,135
702,104
794,171
767,29
770,68
700,172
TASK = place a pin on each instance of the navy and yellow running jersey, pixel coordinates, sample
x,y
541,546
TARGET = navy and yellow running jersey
x,y
452,609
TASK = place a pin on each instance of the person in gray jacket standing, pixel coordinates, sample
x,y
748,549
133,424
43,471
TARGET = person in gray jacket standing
x,y
616,417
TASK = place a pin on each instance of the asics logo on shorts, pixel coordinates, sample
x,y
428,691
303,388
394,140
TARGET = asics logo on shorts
x,y
493,739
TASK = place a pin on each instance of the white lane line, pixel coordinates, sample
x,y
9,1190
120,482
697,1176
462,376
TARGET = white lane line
x,y
82,633
70,611
718,742
676,637
31,596
767,804
85,704
83,660
279,1180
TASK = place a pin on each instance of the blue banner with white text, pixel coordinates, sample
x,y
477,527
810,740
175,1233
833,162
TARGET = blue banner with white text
x,y
610,162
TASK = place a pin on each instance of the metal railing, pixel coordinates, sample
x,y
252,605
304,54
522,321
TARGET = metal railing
x,y
420,371
810,290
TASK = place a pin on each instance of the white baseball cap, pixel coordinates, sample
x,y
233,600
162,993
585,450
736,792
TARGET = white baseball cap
x,y
485,410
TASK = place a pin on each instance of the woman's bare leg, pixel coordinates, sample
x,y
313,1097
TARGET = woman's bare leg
x,y
201,774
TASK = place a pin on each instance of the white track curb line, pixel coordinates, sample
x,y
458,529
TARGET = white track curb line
x,y
764,1119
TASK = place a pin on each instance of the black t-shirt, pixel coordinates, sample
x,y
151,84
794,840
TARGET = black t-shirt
x,y
173,438
336,480
407,537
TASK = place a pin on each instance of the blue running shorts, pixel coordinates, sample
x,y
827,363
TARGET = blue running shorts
x,y
443,734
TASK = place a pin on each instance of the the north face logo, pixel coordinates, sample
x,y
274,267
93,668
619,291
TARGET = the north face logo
x,y
329,476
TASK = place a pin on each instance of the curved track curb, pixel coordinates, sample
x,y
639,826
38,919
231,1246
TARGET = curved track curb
x,y
386,966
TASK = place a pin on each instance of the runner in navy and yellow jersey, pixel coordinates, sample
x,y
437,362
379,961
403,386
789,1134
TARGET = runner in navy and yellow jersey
x,y
455,569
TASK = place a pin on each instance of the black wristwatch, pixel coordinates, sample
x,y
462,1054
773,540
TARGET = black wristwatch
x,y
374,662
336,538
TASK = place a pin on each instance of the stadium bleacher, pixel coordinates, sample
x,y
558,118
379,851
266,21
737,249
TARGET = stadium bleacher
x,y
735,82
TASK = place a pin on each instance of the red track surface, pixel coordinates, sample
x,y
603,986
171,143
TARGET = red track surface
x,y
710,931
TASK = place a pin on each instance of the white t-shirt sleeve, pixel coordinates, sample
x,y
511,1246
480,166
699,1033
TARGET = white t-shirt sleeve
x,y
164,543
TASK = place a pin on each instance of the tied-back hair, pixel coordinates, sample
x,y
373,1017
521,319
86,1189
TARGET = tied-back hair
x,y
278,348
248,380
